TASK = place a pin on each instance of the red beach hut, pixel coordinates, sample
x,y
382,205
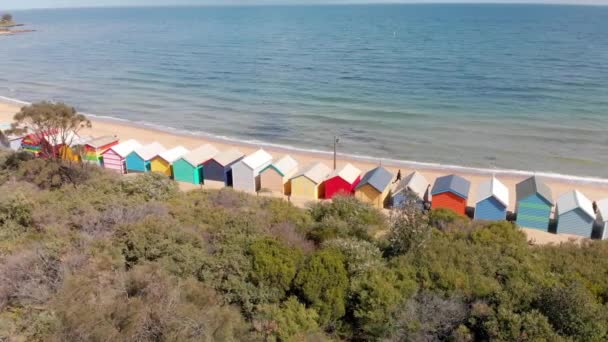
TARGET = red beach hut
x,y
451,192
342,181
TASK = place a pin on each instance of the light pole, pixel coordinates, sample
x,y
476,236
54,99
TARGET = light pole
x,y
336,141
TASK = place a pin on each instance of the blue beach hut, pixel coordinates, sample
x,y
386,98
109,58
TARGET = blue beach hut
x,y
534,203
492,201
575,214
139,159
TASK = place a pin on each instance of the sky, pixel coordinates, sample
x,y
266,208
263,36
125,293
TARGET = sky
x,y
27,4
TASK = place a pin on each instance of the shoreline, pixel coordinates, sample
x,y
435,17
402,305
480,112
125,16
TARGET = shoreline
x,y
595,189
289,149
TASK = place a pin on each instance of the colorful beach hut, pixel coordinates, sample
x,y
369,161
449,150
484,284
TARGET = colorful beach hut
x,y
575,214
94,148
34,142
451,192
342,181
116,156
534,204
163,162
276,176
189,168
219,168
246,172
139,159
492,201
602,217
374,187
74,151
308,182
415,184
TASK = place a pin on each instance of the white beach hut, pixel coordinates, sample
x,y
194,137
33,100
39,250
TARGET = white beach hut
x,y
602,217
246,172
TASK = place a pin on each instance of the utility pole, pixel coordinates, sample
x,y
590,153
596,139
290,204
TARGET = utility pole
x,y
336,141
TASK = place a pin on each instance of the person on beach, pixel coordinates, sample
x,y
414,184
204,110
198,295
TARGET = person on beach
x,y
398,176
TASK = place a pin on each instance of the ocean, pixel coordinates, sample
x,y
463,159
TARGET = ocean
x,y
521,87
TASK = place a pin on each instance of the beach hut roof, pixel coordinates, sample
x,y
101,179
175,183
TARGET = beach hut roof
x,y
602,209
227,157
173,154
574,200
102,141
58,139
378,178
493,188
451,183
257,159
124,148
415,182
286,166
348,172
150,151
531,186
201,154
317,173
81,140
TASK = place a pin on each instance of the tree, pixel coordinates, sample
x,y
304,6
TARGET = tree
x,y
52,124
409,228
322,282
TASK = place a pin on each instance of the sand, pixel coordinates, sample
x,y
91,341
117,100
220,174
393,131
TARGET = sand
x,y
146,135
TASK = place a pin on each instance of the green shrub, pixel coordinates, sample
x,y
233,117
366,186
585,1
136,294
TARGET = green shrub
x,y
150,186
289,321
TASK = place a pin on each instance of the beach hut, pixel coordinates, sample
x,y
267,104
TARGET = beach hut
x,y
575,214
34,142
602,217
189,168
276,176
415,184
492,200
94,148
308,182
534,203
75,149
374,187
115,157
246,172
451,192
163,161
139,159
13,141
219,168
342,181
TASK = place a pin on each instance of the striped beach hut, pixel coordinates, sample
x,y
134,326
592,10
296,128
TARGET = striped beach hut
x,y
116,156
163,161
602,217
374,188
276,176
534,204
34,142
492,200
139,159
451,192
246,172
575,214
342,181
308,183
189,168
93,149
415,184
219,168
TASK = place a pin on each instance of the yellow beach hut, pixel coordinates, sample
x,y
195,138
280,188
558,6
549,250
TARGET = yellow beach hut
x,y
374,187
308,183
163,161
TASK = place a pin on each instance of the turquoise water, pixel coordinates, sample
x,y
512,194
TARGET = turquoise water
x,y
486,86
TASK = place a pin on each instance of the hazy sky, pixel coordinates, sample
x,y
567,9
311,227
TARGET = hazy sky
x,y
23,4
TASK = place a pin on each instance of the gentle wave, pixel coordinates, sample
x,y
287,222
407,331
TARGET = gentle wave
x,y
363,158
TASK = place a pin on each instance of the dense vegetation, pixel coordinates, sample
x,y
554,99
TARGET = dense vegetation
x,y
86,255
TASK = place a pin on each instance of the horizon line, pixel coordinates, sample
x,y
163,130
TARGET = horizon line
x,y
302,4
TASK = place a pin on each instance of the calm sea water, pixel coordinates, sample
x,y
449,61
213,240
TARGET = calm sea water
x,y
518,87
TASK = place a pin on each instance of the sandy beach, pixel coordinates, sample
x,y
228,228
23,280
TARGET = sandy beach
x,y
126,130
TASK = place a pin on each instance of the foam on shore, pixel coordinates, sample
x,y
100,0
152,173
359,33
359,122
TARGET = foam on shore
x,y
363,158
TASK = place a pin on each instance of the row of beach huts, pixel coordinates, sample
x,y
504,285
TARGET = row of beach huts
x,y
574,213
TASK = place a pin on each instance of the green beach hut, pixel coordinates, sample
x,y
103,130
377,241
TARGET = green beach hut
x,y
189,168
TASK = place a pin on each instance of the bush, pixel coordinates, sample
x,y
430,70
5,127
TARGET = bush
x,y
322,282
290,321
150,186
